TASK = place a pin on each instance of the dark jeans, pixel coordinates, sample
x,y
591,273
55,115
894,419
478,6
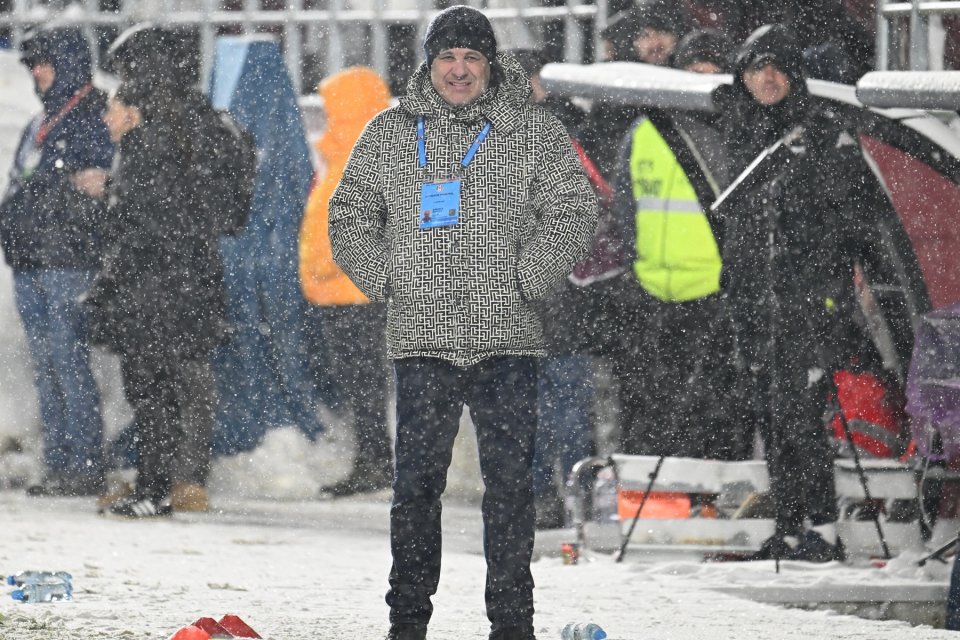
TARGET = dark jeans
x,y
502,396
565,431
67,393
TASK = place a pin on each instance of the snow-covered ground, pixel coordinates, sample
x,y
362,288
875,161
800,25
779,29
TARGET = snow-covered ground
x,y
316,569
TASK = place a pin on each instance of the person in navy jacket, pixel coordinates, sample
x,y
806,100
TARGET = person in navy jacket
x,y
49,230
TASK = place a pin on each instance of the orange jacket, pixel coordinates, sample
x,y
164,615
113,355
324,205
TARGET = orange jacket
x,y
350,98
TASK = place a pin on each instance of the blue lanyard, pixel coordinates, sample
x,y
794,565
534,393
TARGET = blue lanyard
x,y
472,151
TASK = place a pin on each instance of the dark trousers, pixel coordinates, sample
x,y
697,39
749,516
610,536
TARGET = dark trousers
x,y
675,375
502,396
788,409
173,401
196,397
357,363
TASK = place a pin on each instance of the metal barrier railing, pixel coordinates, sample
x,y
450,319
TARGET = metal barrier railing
x,y
337,24
903,25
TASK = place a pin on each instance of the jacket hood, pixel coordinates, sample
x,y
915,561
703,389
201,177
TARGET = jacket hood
x,y
350,100
751,127
502,103
773,43
620,32
68,53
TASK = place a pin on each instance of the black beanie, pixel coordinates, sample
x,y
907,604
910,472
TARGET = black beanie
x,y
663,16
460,27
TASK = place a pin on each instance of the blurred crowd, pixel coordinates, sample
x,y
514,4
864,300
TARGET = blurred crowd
x,y
720,327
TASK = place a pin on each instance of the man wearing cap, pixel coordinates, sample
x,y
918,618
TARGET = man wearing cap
x,y
796,228
50,228
461,207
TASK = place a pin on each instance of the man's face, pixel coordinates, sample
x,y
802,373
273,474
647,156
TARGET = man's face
x,y
460,76
120,118
43,76
768,85
655,47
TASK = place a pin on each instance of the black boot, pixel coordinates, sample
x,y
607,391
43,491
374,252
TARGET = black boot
x,y
407,632
524,632
814,547
773,548
365,478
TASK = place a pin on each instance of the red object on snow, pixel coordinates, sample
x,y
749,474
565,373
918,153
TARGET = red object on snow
x,y
190,633
237,627
214,628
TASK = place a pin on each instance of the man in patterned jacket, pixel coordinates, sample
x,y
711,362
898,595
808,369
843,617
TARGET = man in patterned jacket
x,y
461,207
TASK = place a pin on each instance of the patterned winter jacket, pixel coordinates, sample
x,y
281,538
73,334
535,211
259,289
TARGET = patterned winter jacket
x,y
527,214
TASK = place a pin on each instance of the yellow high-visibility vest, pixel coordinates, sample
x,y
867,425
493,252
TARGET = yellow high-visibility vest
x,y
677,256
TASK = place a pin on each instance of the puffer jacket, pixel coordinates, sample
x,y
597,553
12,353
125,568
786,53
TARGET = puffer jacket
x,y
527,214
45,223
350,99
160,293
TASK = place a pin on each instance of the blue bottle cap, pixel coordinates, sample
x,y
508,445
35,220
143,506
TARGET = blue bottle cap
x,y
11,580
17,594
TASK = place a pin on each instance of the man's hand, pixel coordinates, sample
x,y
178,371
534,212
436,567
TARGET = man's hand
x,y
92,182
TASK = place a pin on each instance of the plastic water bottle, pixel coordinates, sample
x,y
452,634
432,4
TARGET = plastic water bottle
x,y
582,631
43,592
39,577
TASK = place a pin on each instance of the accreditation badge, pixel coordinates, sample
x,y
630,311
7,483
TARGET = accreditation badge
x,y
31,160
440,204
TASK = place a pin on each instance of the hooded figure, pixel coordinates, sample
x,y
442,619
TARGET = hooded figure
x,y
795,230
350,99
754,127
51,220
461,207
160,296
67,51
350,326
618,36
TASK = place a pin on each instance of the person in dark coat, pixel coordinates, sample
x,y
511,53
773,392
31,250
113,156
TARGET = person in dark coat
x,y
159,67
794,231
160,293
50,219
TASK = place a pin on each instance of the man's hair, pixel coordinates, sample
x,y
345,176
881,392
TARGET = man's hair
x,y
704,45
668,16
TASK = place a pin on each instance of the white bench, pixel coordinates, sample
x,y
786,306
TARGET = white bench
x,y
886,480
